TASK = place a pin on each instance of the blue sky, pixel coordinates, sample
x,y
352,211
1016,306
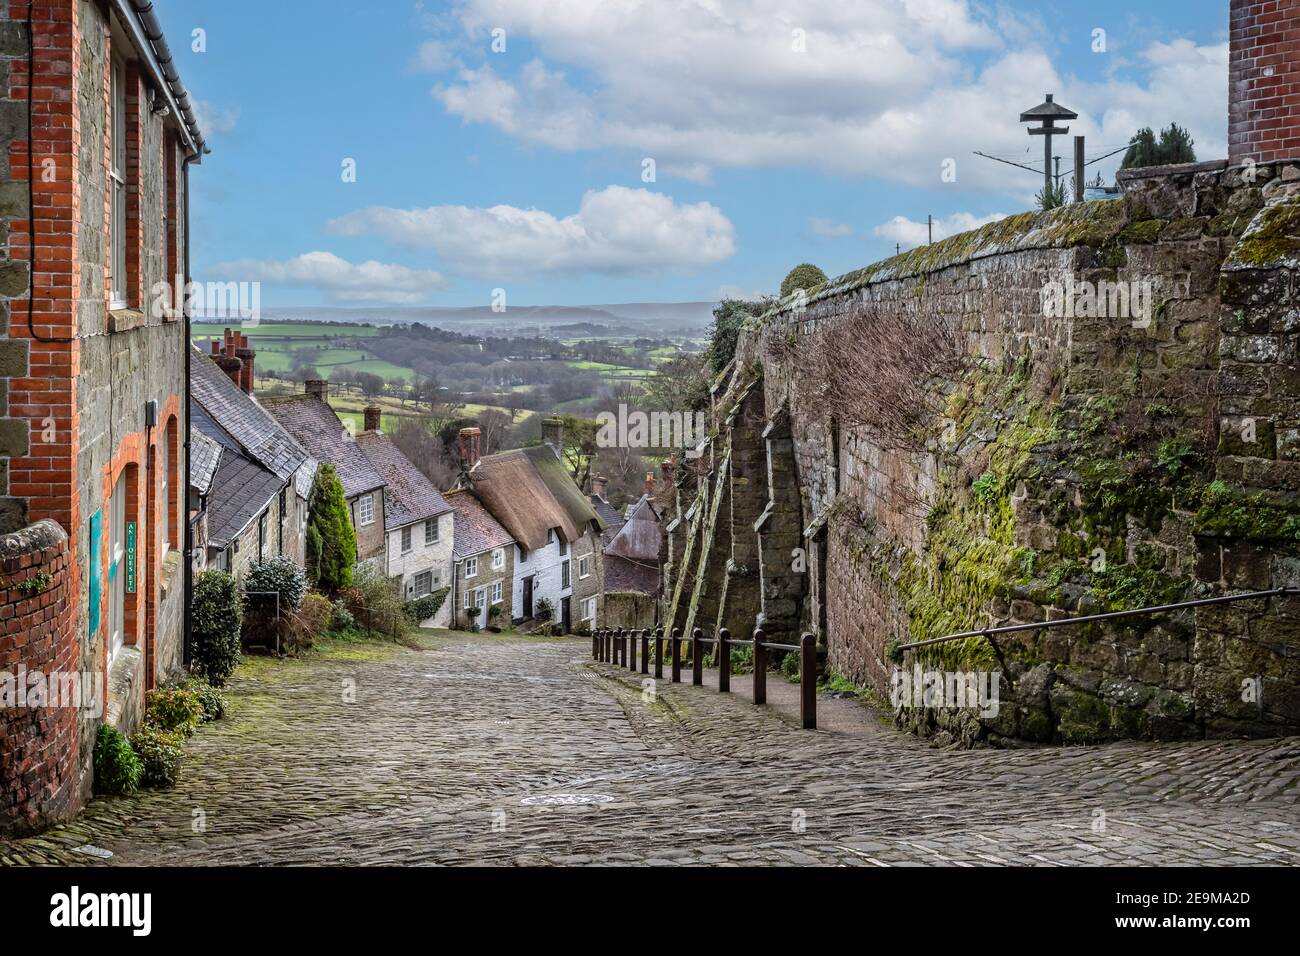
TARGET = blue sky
x,y
780,131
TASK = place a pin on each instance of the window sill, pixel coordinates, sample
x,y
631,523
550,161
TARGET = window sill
x,y
123,320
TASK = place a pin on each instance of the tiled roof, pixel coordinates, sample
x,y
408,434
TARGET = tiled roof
x,y
529,491
476,530
204,455
408,495
608,514
314,424
258,434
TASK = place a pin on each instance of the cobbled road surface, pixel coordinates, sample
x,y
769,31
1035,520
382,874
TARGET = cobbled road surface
x,y
502,750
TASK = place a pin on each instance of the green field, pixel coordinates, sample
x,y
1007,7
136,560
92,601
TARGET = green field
x,y
276,343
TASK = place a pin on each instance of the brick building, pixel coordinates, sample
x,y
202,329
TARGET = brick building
x,y
1263,80
98,138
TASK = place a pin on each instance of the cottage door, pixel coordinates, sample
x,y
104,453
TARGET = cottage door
x,y
528,597
566,619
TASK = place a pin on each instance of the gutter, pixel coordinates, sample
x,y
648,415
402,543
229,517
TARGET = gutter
x,y
141,22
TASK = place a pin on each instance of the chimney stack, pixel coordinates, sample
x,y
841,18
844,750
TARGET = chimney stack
x,y
232,366
318,389
553,435
598,485
373,417
649,482
246,355
468,447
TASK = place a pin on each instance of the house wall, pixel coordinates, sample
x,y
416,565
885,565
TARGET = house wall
x,y
370,538
74,378
246,553
485,578
434,557
1263,73
589,546
544,564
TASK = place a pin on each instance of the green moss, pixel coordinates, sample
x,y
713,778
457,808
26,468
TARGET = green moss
x,y
1223,514
1274,235
1146,231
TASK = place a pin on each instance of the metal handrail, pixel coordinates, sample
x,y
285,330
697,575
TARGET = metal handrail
x,y
1107,616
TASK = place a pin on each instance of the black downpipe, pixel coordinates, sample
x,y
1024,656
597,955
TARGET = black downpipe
x,y
188,571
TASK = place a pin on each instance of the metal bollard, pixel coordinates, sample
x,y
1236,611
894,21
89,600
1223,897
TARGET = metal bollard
x,y
620,648
595,645
808,682
631,650
645,650
659,653
676,647
760,667
723,654
697,657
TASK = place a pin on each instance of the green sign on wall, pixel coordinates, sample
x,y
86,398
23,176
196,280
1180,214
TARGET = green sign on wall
x,y
130,557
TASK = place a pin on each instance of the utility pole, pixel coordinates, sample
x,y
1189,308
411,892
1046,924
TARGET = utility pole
x,y
1078,169
929,228
1047,113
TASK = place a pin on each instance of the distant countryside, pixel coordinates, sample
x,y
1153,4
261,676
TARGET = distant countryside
x,y
431,381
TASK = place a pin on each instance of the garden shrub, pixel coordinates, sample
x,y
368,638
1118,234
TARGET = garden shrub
x,y
174,710
273,594
331,539
160,755
210,699
280,576
341,618
423,608
375,601
308,623
117,768
215,613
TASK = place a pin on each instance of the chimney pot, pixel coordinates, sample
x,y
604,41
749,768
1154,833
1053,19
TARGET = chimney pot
x,y
666,468
318,389
649,482
373,417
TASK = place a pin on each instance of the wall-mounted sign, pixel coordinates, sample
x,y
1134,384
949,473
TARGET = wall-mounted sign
x,y
130,557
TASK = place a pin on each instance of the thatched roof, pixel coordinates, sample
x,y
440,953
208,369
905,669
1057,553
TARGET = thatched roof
x,y
529,491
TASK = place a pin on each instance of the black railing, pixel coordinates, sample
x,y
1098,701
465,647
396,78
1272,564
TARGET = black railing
x,y
616,646
1106,616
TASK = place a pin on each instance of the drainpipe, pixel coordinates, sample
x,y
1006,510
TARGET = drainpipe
x,y
188,570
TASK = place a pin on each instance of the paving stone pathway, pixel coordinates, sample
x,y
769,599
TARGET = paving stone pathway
x,y
493,750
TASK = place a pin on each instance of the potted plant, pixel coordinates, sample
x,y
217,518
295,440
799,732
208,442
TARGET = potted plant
x,y
472,613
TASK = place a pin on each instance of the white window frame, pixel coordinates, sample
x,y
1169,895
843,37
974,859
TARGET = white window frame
x,y
498,559
431,531
496,592
566,575
416,584
467,598
584,567
480,597
589,603
117,185
471,567
165,530
364,505
407,545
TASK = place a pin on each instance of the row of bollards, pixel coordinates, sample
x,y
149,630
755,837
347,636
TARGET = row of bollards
x,y
614,645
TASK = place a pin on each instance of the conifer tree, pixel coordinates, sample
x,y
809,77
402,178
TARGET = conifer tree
x,y
331,539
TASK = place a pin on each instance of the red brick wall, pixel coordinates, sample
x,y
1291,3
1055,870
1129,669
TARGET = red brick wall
x,y
1264,80
39,749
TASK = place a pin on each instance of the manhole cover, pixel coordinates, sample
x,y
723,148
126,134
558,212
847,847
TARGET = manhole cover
x,y
566,799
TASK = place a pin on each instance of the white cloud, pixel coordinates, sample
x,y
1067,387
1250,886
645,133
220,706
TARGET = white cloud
x,y
435,56
910,233
828,228
616,230
340,280
213,119
883,87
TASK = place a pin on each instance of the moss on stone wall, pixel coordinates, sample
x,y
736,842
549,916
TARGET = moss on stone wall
x,y
1273,237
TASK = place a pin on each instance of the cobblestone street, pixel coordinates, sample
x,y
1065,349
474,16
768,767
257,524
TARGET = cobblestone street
x,y
450,754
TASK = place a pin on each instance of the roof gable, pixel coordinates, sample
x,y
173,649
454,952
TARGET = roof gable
x,y
315,425
529,491
409,496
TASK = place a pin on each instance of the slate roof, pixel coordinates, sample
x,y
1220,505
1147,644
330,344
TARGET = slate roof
x,y
239,487
529,491
257,433
476,530
408,495
313,423
608,514
204,455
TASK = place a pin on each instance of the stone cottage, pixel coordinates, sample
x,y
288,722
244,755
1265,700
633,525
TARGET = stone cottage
x,y
250,479
483,575
99,135
418,522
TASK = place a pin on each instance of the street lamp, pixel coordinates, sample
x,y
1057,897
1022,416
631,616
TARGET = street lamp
x,y
1048,112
